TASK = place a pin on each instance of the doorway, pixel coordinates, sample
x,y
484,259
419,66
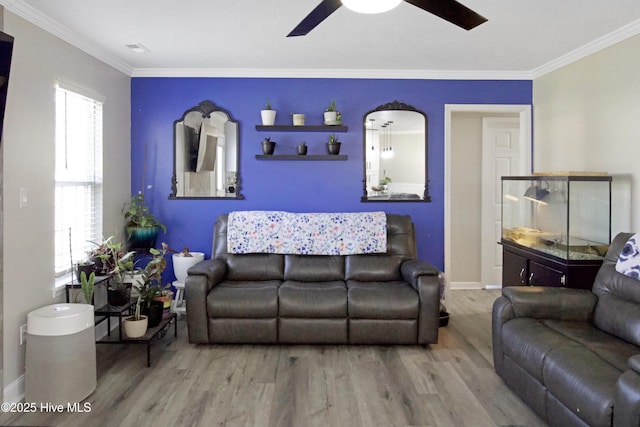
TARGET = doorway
x,y
465,183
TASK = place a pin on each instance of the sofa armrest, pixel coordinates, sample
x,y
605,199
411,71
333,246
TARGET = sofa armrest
x,y
428,288
201,278
426,280
414,268
537,302
543,302
626,401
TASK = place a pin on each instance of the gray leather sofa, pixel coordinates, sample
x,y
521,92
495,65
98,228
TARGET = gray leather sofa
x,y
573,355
390,298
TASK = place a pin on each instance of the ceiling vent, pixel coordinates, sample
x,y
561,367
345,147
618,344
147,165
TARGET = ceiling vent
x,y
137,48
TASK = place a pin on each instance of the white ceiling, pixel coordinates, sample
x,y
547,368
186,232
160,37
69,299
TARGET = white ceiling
x,y
522,39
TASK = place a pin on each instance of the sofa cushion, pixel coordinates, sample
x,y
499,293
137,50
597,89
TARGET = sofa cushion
x,y
528,341
251,267
313,299
313,268
583,382
611,349
382,300
244,299
373,268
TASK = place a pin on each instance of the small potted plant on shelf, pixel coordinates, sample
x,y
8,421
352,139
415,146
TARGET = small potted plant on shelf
x,y
331,115
101,256
268,115
121,268
333,145
302,148
142,226
87,286
136,326
149,286
84,266
268,146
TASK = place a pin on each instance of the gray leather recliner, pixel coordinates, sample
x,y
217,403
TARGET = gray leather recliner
x,y
573,355
390,298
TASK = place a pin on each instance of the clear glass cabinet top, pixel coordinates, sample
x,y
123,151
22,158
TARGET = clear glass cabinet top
x,y
567,216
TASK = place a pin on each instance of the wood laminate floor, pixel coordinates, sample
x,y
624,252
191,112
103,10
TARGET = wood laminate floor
x,y
448,384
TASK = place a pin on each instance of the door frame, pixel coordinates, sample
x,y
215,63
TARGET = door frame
x,y
524,112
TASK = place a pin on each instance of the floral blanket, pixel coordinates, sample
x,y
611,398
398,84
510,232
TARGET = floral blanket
x,y
629,258
306,233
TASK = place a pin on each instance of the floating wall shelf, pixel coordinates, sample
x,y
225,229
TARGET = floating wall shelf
x,y
299,157
290,128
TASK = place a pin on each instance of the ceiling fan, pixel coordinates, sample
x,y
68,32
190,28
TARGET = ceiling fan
x,y
449,10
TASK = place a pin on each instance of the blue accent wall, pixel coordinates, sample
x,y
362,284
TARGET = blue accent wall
x,y
298,186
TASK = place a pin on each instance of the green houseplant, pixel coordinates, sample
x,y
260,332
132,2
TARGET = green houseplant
x,y
268,115
268,146
150,286
331,114
333,145
121,267
136,326
142,226
87,286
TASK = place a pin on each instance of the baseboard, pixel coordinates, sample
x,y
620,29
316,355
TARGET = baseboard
x,y
493,287
465,285
14,392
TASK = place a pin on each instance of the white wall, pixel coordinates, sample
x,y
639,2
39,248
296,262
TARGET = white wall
x,y
587,118
466,197
39,59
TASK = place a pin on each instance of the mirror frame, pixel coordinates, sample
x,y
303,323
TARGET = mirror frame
x,y
206,108
396,106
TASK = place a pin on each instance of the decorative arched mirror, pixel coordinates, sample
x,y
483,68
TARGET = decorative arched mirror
x,y
395,154
205,154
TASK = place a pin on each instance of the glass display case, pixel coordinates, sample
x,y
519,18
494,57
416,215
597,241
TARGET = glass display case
x,y
565,216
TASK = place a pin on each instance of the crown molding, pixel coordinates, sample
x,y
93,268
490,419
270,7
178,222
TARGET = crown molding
x,y
54,27
608,40
25,11
331,73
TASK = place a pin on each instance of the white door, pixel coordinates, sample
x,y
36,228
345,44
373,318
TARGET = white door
x,y
500,157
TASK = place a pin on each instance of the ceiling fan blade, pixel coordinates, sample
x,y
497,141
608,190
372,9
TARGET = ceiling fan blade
x,y
317,15
452,11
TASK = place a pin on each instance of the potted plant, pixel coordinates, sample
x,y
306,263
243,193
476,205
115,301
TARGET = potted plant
x,y
136,326
268,146
331,114
302,148
333,145
87,286
384,182
85,266
121,268
183,261
142,226
101,256
268,115
149,286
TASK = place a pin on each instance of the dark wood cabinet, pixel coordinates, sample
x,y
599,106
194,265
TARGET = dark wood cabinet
x,y
527,267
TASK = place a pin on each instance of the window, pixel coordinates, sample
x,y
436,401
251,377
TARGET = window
x,y
78,176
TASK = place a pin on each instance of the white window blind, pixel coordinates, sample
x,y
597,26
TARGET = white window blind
x,y
78,177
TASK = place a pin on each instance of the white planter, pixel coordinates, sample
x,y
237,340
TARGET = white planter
x,y
330,116
183,263
135,328
298,119
268,117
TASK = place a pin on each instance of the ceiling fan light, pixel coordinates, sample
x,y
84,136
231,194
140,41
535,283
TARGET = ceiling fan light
x,y
370,6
